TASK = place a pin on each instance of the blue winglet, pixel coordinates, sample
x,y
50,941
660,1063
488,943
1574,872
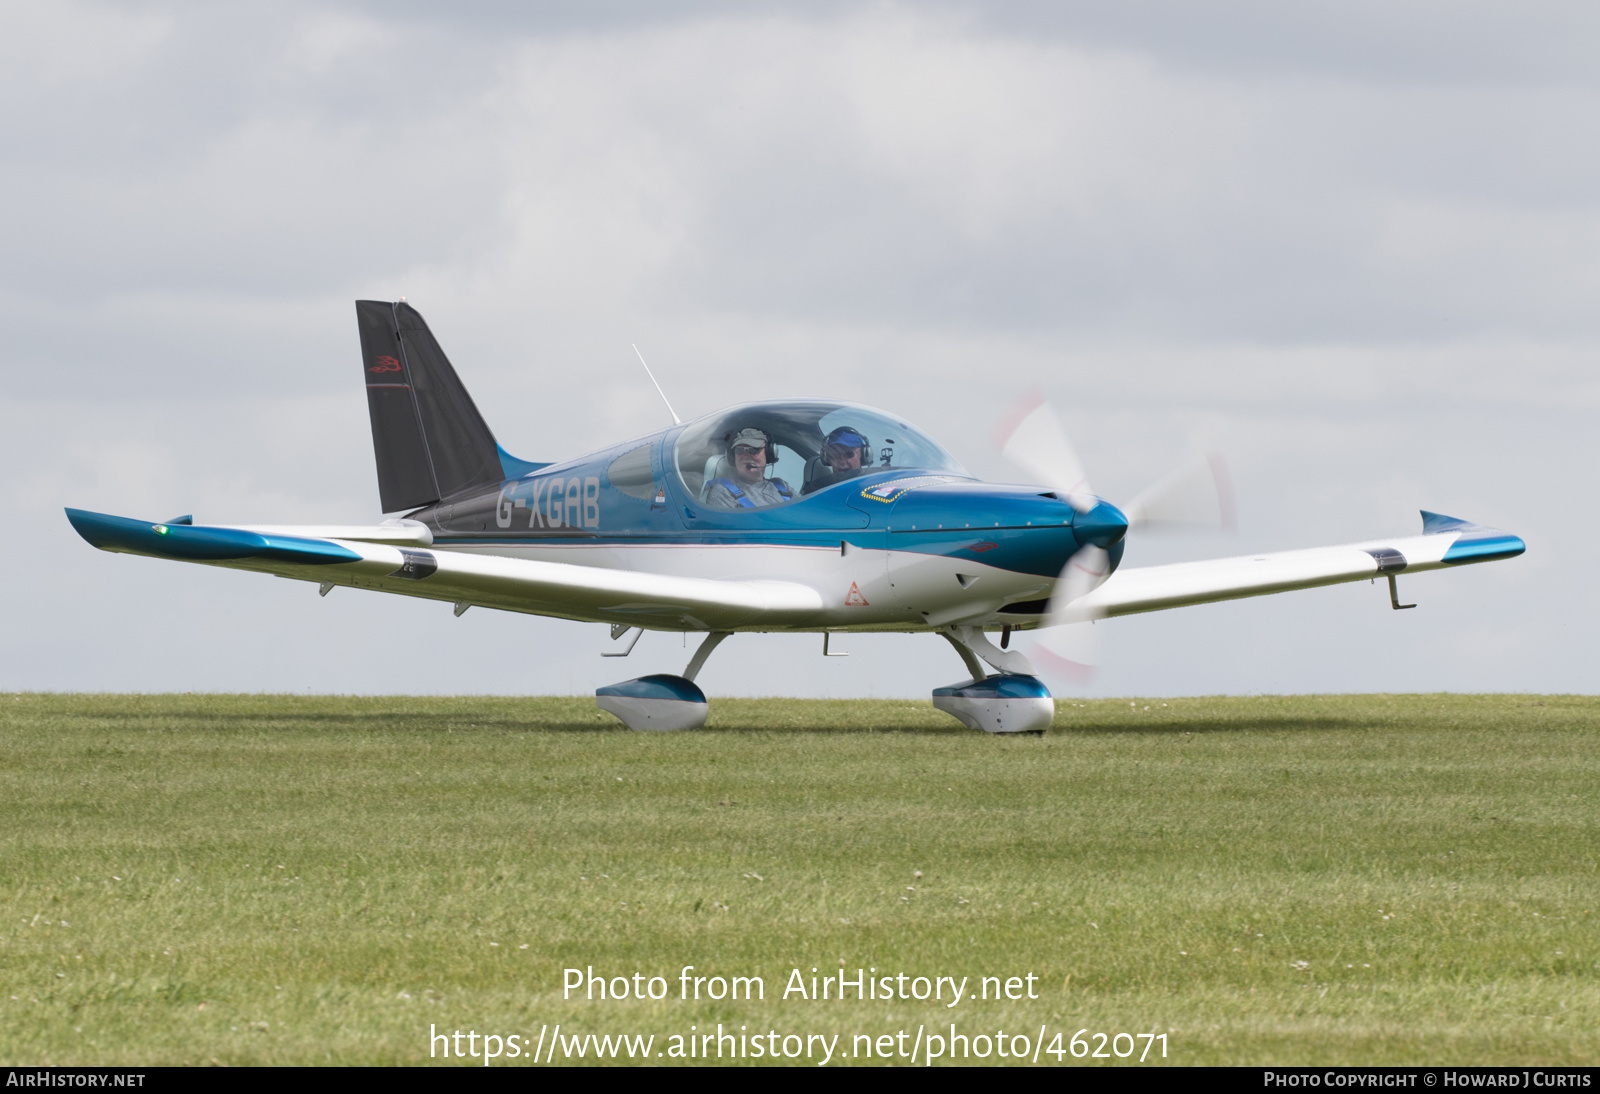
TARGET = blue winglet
x,y
1434,523
1475,542
191,544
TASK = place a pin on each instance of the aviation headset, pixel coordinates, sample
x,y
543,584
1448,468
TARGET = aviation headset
x,y
740,436
848,436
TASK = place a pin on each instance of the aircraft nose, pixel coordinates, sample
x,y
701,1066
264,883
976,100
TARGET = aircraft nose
x,y
1101,526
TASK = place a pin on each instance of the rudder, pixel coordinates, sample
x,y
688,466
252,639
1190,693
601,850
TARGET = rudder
x,y
429,440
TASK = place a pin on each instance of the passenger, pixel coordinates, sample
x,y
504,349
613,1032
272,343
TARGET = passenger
x,y
749,452
845,452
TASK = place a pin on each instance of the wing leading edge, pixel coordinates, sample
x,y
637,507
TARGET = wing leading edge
x,y
1446,541
378,561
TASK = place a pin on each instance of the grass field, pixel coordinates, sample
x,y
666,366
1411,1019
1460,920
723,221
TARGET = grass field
x,y
282,879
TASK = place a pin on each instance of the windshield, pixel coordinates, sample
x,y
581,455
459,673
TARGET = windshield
x,y
765,454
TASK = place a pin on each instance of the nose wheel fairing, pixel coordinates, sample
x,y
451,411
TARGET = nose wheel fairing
x,y
1015,701
999,704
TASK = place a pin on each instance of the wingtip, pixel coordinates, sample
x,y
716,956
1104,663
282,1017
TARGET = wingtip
x,y
1474,542
90,525
112,533
188,543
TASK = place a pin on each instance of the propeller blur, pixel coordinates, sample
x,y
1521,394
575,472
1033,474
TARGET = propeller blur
x,y
793,515
1198,494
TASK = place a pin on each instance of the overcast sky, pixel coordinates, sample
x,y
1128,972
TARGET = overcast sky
x,y
1354,246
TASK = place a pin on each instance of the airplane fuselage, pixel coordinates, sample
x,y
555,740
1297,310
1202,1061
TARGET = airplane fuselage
x,y
889,549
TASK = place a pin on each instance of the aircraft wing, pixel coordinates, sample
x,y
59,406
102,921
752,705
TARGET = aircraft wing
x,y
1447,542
391,558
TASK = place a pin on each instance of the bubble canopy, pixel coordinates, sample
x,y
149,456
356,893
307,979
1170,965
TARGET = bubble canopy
x,y
798,429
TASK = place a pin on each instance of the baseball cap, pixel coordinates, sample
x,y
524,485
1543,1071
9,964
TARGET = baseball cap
x,y
752,437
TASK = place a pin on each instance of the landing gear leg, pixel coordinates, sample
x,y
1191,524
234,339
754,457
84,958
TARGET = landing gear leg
x,y
971,643
662,701
1015,701
968,658
698,661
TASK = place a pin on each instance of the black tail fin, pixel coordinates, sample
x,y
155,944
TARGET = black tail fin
x,y
430,440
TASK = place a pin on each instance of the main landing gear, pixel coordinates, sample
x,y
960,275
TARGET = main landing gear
x,y
1015,701
661,700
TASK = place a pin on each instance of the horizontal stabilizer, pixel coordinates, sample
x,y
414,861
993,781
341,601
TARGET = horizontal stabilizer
x,y
403,533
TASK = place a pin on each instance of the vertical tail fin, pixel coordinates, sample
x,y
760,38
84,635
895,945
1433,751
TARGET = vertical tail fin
x,y
429,439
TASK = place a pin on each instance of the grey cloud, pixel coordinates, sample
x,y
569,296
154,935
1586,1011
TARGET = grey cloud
x,y
1422,41
1413,42
1355,250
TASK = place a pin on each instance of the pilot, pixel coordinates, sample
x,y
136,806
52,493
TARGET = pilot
x,y
845,451
749,453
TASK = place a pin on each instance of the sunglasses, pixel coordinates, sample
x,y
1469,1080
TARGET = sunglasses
x,y
745,450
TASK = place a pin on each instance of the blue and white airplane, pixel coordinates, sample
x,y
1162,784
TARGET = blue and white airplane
x,y
795,515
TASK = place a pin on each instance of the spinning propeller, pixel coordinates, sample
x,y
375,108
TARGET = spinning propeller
x,y
1196,495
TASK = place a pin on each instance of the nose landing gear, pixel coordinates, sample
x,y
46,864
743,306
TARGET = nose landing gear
x,y
999,704
1015,701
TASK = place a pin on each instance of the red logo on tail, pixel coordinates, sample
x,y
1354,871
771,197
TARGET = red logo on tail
x,y
385,364
854,598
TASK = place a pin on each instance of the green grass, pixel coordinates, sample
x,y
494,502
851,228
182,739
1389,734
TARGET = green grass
x,y
1339,879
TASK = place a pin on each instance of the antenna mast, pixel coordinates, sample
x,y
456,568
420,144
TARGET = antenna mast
x,y
675,419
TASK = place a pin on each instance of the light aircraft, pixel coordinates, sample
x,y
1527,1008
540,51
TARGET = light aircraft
x,y
695,528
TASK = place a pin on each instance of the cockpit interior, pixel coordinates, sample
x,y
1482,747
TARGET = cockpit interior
x,y
814,445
